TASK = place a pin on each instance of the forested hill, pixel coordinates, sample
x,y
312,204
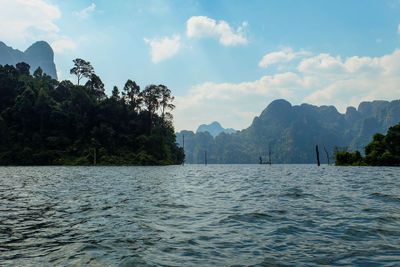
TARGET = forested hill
x,y
291,133
46,122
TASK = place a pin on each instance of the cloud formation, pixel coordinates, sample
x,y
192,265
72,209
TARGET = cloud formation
x,y
234,105
162,49
355,79
204,27
285,55
320,80
21,19
60,46
84,13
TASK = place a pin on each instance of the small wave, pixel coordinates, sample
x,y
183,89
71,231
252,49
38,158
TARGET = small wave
x,y
385,197
387,218
172,205
288,229
296,193
253,217
134,261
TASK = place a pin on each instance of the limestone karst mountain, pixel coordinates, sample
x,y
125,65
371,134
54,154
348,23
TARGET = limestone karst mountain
x,y
291,133
214,129
38,54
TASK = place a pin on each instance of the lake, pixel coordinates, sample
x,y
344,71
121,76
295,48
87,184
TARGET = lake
x,y
195,215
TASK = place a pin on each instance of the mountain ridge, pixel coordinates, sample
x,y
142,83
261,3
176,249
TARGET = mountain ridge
x,y
38,54
292,132
214,129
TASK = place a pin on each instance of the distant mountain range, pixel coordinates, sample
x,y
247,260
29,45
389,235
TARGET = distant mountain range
x,y
39,54
214,129
291,133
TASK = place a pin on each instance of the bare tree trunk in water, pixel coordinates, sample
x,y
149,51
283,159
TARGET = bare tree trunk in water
x,y
316,149
327,155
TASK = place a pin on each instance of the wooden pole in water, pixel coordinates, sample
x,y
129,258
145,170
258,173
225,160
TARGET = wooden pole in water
x,y
327,155
183,142
316,149
94,157
269,155
205,157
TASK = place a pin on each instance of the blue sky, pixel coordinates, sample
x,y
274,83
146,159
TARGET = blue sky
x,y
223,60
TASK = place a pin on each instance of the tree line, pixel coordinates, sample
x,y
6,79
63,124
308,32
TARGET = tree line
x,y
383,150
46,122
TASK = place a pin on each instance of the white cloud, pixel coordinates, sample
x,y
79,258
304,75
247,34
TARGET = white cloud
x,y
162,49
329,66
347,82
320,80
398,29
204,27
232,103
23,19
285,55
323,63
84,13
61,45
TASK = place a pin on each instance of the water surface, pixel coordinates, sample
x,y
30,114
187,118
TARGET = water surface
x,y
194,215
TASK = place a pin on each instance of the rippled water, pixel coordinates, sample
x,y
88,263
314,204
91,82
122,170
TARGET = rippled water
x,y
215,215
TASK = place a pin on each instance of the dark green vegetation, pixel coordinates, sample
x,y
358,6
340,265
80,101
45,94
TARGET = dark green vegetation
x,y
292,132
46,122
37,55
383,150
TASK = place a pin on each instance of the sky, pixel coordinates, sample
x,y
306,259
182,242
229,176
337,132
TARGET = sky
x,y
223,60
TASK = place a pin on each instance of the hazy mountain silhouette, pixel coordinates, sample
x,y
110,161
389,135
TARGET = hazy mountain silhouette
x,y
38,54
214,129
291,133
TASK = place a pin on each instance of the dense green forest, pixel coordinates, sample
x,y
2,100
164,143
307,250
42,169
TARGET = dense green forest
x,y
46,122
383,150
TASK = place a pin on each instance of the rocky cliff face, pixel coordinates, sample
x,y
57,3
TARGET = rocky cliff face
x,y
291,133
214,129
38,54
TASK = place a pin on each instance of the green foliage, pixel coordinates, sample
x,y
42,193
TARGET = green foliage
x,y
345,158
132,94
82,69
23,68
45,122
166,99
381,151
38,73
96,86
115,93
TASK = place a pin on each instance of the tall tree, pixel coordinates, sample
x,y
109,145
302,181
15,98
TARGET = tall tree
x,y
151,96
166,99
115,93
23,107
38,72
82,69
392,140
43,106
96,86
132,94
23,68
